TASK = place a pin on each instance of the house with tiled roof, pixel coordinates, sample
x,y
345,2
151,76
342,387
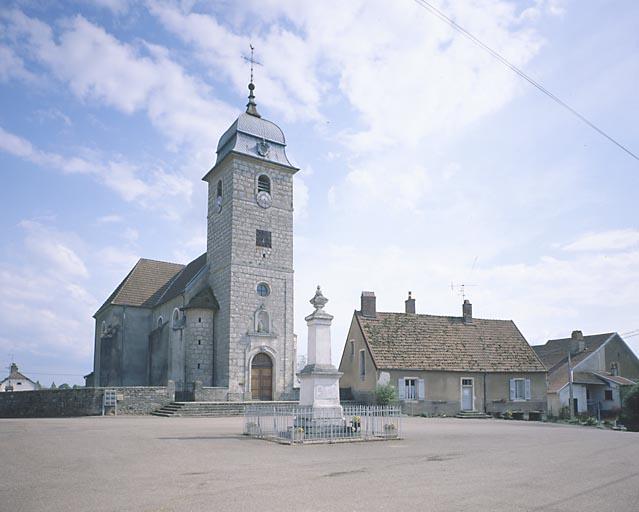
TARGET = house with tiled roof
x,y
600,364
442,364
224,320
16,381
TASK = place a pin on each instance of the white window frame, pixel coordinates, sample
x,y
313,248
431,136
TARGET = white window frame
x,y
362,364
410,390
526,383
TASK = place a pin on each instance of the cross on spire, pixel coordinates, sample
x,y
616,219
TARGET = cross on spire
x,y
251,106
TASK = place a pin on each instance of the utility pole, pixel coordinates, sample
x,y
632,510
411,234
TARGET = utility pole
x,y
572,406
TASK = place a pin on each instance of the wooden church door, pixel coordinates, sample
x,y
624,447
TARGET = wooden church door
x,y
262,377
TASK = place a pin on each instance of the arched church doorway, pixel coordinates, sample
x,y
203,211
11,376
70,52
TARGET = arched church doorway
x,y
262,377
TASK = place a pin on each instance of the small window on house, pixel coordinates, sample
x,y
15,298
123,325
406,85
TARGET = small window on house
x,y
352,349
410,389
518,389
19,383
199,320
608,394
467,382
263,290
104,327
199,342
264,184
198,366
362,364
160,321
219,189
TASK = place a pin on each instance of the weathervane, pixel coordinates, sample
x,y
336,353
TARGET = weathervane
x,y
251,106
251,60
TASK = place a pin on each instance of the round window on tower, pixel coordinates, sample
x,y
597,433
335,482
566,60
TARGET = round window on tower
x,y
263,290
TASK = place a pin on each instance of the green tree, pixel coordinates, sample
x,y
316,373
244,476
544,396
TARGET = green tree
x,y
64,386
53,386
630,408
385,394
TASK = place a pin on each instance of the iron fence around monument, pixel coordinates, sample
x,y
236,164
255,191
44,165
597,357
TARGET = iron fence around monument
x,y
296,424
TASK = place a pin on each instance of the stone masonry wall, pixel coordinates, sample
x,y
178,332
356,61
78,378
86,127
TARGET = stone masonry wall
x,y
54,403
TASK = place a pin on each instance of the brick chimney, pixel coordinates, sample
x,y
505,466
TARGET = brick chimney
x,y
577,342
467,312
369,305
409,304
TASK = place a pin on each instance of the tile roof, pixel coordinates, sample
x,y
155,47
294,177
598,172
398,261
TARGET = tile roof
x,y
617,379
15,374
412,341
558,378
184,277
554,351
144,285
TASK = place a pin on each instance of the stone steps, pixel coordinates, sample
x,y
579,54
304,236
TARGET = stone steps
x,y
207,409
478,415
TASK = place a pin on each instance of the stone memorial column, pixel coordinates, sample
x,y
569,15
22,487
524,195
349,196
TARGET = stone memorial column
x,y
319,380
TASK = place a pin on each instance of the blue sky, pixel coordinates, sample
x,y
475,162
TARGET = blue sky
x,y
424,161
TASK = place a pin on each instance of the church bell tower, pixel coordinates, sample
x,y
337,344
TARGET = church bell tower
x,y
250,259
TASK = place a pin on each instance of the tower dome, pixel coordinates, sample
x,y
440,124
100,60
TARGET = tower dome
x,y
251,134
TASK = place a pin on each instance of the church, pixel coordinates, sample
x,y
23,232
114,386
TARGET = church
x,y
226,318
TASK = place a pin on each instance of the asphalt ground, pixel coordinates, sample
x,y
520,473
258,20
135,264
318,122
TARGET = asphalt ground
x,y
203,464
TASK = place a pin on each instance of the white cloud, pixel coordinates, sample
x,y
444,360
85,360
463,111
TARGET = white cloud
x,y
100,68
110,219
45,306
12,66
56,253
126,179
616,239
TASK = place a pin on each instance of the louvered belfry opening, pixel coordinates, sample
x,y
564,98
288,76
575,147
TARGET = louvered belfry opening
x,y
264,184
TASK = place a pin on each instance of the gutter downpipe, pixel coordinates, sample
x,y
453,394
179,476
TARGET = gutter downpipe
x,y
571,394
485,401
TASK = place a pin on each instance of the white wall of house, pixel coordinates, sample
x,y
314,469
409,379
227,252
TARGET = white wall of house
x,y
17,385
579,392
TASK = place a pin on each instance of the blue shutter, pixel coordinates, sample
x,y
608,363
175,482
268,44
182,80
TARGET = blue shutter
x,y
420,389
513,391
400,389
528,389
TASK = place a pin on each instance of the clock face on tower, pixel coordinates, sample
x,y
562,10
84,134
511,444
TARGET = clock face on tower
x,y
263,199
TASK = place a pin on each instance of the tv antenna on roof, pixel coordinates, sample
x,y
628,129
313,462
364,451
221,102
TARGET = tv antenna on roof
x,y
460,288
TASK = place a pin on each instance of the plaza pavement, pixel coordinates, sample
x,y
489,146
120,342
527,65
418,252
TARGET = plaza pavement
x,y
202,464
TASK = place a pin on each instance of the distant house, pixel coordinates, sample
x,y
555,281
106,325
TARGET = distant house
x,y
16,381
602,364
442,364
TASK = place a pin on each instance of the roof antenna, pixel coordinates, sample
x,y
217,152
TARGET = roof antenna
x,y
251,106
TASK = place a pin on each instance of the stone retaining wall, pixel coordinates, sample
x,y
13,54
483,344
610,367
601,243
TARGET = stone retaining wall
x,y
52,403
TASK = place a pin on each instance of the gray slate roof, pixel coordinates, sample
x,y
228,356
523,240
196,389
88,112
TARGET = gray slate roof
x,y
412,341
153,282
244,135
15,375
554,351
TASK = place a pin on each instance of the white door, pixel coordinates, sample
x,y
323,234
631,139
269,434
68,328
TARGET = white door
x,y
467,394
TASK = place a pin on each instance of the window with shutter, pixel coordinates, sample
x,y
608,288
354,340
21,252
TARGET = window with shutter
x,y
401,390
420,389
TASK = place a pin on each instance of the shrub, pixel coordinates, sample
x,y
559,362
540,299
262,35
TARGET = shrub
x,y
630,409
385,394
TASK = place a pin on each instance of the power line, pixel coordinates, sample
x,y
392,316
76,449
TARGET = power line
x,y
433,10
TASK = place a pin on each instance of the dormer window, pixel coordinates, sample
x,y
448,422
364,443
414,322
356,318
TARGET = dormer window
x,y
264,184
